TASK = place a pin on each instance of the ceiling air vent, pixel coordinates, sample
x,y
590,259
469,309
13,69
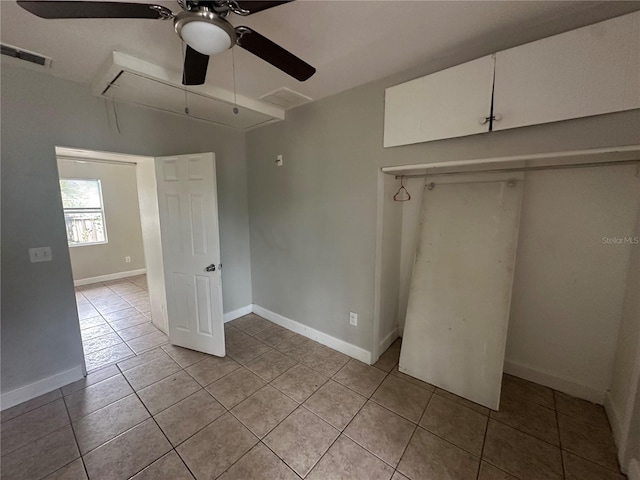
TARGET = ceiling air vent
x,y
15,52
285,98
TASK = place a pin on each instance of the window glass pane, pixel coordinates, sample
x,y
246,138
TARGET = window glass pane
x,y
80,193
84,227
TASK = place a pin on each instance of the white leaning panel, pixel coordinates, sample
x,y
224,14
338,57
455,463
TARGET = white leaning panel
x,y
456,326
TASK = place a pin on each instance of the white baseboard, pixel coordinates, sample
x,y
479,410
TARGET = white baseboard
x,y
320,337
614,417
35,389
389,339
634,470
565,385
237,313
111,276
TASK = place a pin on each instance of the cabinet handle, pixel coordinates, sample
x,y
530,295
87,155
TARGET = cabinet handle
x,y
495,118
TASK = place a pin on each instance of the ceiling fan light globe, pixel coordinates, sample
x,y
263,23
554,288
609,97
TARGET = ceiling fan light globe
x,y
206,38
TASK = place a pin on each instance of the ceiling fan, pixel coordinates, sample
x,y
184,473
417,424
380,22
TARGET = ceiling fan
x,y
201,24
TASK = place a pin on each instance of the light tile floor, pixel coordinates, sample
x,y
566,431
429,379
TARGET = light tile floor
x,y
115,322
280,406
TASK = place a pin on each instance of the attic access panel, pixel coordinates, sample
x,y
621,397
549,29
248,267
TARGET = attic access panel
x,y
132,88
130,80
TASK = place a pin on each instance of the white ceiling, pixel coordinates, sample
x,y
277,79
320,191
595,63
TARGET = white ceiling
x,y
349,42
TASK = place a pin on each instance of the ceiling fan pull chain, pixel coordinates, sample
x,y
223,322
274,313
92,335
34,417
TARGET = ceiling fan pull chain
x,y
186,104
233,68
237,9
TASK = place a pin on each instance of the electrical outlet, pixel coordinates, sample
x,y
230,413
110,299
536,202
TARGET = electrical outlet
x,y
127,259
353,319
40,254
279,160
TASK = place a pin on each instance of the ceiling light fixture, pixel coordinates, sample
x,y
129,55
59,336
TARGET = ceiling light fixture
x,y
205,31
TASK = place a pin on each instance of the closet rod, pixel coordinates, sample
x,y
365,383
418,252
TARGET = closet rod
x,y
528,169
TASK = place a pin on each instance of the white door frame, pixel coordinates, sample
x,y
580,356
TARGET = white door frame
x,y
149,219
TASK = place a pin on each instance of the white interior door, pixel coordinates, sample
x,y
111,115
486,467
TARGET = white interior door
x,y
456,325
187,199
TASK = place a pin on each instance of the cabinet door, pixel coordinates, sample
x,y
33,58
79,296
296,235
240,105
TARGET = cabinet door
x,y
588,71
446,104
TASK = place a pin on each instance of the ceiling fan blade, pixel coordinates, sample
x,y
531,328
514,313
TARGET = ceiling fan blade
x,y
72,9
274,54
195,67
254,6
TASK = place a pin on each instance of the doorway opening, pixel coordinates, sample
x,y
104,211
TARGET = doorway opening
x,y
114,248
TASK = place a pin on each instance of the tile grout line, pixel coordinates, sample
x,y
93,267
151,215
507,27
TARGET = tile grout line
x,y
260,440
562,450
174,448
42,435
119,296
527,433
404,450
378,402
416,424
281,459
555,409
75,437
484,442
300,404
33,409
319,458
90,413
415,429
159,428
102,315
341,432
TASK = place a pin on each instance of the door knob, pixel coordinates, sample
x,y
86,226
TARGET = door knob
x,y
211,268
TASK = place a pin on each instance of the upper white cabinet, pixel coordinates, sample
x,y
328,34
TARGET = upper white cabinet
x,y
584,72
588,71
449,103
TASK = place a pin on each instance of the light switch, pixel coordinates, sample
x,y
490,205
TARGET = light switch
x,y
279,160
40,254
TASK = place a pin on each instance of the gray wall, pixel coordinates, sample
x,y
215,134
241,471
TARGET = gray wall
x,y
122,220
569,286
40,332
313,221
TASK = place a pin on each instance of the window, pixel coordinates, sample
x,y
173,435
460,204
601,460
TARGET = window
x,y
83,212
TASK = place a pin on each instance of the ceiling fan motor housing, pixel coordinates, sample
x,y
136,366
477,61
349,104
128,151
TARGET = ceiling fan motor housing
x,y
205,31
